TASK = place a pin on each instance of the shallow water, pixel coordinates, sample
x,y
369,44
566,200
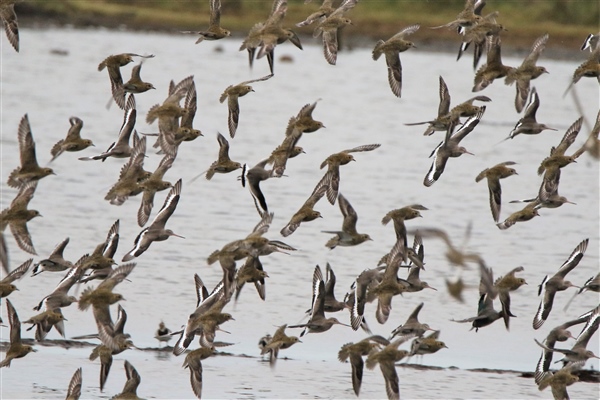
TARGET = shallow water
x,y
357,108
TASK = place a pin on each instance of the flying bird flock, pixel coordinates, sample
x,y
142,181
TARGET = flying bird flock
x,y
105,280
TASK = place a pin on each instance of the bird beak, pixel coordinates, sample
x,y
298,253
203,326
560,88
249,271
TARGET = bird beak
x,y
468,152
179,236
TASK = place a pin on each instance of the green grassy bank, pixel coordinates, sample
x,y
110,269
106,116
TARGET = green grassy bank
x,y
567,21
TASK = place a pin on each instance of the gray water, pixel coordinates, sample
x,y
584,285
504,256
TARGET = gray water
x,y
357,108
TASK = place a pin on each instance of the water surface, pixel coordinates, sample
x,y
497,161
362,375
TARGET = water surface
x,y
357,108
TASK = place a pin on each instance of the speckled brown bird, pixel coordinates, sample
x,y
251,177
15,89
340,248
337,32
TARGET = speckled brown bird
x,y
16,349
387,359
133,381
329,28
16,217
232,93
392,48
527,71
214,30
29,171
348,236
9,20
331,179
113,65
151,186
493,68
6,284
556,283
193,361
73,141
450,148
224,164
279,341
355,352
306,213
493,176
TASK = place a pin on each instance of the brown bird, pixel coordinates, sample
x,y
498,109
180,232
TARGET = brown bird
x,y
74,389
130,176
557,158
529,212
170,142
44,321
135,84
412,327
205,319
450,148
121,148
427,345
387,358
55,261
355,352
169,112
113,65
324,11
557,334
214,31
317,322
232,93
251,272
556,283
578,355
558,382
493,175
493,68
330,26
331,179
224,164
392,49
306,213
6,284
279,341
589,68
11,25
477,34
29,171
348,236
486,314
156,231
16,217
528,125
390,285
16,349
502,288
400,215
150,186
592,144
527,71
193,361
73,141
133,381
469,17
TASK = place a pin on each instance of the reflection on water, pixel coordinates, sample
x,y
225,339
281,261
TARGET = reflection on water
x,y
357,108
